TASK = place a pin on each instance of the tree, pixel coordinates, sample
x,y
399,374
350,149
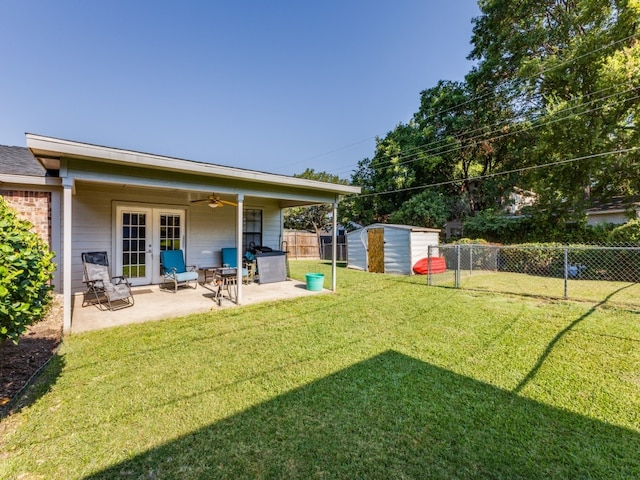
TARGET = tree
x,y
315,218
26,271
569,71
427,209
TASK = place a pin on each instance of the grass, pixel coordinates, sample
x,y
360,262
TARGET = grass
x,y
615,293
385,379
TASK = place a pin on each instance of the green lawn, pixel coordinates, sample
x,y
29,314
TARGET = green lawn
x,y
612,293
386,379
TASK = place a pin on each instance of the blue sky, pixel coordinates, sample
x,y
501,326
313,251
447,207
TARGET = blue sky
x,y
274,86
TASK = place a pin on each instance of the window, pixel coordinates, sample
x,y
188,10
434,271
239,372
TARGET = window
x,y
251,228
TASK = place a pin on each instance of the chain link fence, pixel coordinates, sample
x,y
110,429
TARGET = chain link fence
x,y
582,272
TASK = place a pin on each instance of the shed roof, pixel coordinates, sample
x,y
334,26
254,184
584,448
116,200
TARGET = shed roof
x,y
397,226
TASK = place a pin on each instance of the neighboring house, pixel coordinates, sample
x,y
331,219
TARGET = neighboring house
x,y
133,205
519,199
512,205
616,210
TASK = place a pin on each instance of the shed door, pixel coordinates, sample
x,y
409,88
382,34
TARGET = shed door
x,y
375,252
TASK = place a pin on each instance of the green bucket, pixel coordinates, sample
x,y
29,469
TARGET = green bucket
x,y
315,281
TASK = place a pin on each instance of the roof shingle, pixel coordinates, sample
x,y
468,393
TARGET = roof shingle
x,y
19,161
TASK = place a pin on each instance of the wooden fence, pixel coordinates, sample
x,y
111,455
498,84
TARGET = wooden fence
x,y
302,245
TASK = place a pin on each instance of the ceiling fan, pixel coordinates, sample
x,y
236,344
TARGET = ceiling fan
x,y
213,201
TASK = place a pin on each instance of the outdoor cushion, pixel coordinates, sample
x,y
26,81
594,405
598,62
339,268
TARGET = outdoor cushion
x,y
186,276
174,269
230,257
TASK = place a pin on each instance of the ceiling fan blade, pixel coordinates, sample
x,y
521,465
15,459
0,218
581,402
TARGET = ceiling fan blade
x,y
228,203
204,201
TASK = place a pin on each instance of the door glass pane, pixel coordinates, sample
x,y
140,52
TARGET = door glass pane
x,y
133,245
170,237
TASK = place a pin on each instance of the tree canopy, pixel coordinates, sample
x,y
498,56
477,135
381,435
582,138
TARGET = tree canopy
x,y
550,106
315,218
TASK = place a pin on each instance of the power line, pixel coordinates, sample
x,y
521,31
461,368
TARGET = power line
x,y
434,147
478,97
497,174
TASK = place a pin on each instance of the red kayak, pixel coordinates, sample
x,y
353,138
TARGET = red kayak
x,y
434,264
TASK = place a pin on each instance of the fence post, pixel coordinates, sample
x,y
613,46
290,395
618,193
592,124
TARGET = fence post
x,y
429,265
470,259
566,272
457,281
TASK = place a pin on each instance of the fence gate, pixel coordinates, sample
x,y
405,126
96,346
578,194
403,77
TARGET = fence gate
x,y
375,251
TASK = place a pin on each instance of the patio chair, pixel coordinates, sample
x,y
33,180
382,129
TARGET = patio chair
x,y
103,290
230,260
174,270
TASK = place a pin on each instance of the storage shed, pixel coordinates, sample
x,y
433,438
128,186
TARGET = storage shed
x,y
390,248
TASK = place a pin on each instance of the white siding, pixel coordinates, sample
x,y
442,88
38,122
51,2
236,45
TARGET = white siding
x,y
403,247
397,254
616,218
357,249
207,230
420,242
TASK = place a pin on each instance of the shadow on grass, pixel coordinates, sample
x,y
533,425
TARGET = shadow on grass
x,y
39,384
393,416
547,351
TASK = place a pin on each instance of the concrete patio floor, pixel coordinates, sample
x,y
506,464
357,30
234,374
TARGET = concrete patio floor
x,y
154,303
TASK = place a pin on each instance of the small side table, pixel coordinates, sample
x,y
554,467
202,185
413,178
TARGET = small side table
x,y
225,278
209,273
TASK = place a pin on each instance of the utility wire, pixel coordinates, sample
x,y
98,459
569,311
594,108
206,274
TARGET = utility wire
x,y
497,174
478,97
435,148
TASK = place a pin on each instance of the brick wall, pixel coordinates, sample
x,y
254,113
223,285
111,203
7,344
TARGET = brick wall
x,y
34,207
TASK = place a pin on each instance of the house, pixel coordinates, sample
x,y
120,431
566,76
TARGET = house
x,y
390,248
616,210
25,185
134,205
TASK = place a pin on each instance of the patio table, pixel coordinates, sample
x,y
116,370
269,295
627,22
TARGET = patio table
x,y
225,279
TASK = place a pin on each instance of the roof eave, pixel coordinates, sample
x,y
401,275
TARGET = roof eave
x,y
48,149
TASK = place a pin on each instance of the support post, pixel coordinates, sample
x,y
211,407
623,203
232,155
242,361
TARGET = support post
x,y
458,266
566,272
67,252
334,249
429,263
239,250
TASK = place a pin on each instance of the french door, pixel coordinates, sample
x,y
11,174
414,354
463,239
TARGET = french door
x,y
142,233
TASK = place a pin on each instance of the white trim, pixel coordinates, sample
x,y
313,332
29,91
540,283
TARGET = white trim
x,y
66,256
56,236
23,180
334,249
153,212
239,250
49,146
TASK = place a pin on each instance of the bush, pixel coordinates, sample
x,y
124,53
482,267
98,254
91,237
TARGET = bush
x,y
26,270
543,259
627,234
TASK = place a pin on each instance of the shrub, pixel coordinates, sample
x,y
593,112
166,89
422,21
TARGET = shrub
x,y
26,270
544,259
628,234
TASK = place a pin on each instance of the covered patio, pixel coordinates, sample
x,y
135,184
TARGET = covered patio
x,y
134,206
152,302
